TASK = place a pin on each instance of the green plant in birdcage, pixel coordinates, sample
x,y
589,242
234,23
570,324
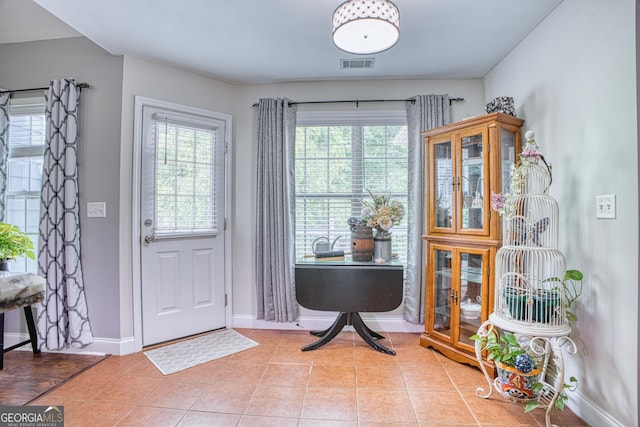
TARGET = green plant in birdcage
x,y
14,243
571,286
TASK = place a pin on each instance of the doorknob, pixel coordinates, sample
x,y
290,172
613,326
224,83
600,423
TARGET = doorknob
x,y
149,238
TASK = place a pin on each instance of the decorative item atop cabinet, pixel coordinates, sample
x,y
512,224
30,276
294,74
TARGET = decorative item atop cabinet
x,y
501,104
465,163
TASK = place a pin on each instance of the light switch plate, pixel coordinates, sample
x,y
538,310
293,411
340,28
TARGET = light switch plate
x,y
606,206
96,210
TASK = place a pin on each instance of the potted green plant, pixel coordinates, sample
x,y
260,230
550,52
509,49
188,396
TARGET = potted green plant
x,y
13,243
561,400
518,372
515,294
571,286
544,301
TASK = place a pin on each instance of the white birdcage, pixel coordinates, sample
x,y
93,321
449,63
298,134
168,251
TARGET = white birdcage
x,y
529,293
533,222
533,174
529,296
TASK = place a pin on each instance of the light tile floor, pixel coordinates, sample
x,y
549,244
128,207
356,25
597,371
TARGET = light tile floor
x,y
345,383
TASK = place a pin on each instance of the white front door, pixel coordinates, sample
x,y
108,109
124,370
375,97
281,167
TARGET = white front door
x,y
182,224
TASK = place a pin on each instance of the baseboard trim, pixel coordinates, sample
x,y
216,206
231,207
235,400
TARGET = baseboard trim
x,y
377,323
99,346
589,412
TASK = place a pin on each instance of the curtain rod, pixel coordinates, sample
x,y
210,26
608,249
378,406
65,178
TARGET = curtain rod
x,y
79,85
358,101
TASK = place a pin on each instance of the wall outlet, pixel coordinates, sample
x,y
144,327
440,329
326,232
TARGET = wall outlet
x,y
606,206
96,210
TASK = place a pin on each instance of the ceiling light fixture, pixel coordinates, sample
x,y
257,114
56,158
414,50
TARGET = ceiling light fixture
x,y
366,26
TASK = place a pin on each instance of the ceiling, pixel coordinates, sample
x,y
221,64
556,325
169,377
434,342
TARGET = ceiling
x,y
273,41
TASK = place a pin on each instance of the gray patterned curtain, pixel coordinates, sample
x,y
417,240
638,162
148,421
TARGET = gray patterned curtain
x,y
426,112
275,211
4,147
62,317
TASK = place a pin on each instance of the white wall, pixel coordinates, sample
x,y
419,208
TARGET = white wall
x,y
574,83
34,64
245,129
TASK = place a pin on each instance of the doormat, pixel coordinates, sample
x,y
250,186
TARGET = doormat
x,y
187,354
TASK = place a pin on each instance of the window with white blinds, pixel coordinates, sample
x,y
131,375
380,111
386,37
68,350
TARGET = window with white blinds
x,y
339,157
26,150
184,167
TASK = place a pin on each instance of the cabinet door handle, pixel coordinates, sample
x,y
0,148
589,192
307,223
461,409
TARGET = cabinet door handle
x,y
455,182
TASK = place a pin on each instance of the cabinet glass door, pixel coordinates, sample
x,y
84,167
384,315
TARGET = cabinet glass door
x,y
443,291
508,157
471,270
472,182
443,184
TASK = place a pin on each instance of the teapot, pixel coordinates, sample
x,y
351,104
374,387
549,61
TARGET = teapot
x,y
323,244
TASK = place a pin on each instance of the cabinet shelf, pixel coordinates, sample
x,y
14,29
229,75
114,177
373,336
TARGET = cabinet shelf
x,y
469,274
472,160
470,326
443,311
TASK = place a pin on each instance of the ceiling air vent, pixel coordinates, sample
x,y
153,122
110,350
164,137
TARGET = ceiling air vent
x,y
357,63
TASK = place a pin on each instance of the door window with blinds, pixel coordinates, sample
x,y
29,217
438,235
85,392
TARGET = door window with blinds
x,y
185,188
26,150
338,157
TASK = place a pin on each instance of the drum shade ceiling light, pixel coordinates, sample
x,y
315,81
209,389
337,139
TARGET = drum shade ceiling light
x,y
366,26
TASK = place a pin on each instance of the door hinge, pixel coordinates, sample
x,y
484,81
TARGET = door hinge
x,y
226,146
224,225
225,300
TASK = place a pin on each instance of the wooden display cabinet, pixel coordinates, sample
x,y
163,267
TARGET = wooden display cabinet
x,y
465,163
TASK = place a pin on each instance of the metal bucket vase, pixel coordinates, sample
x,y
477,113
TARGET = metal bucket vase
x,y
361,243
382,248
